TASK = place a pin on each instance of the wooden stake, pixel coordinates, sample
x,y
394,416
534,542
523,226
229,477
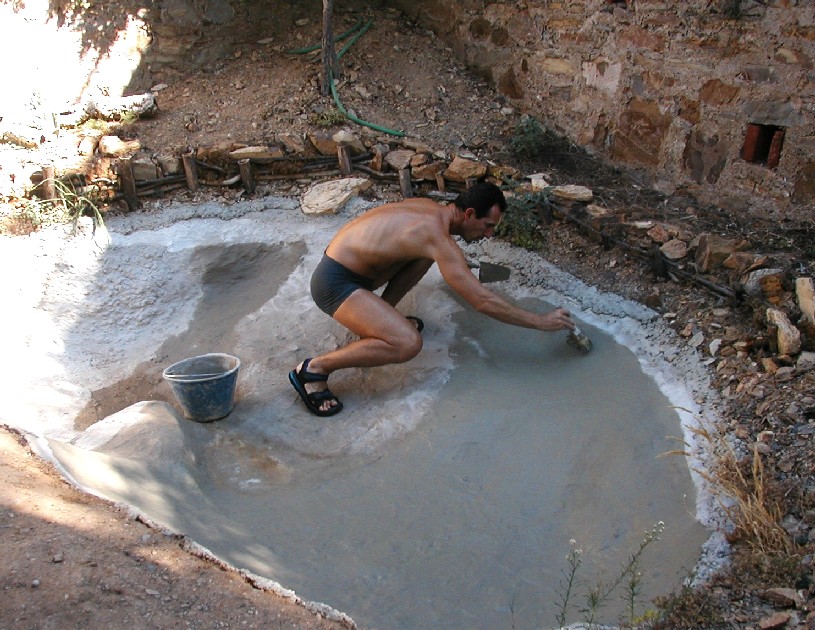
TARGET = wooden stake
x,y
127,183
190,171
470,182
404,183
49,189
344,156
247,175
440,182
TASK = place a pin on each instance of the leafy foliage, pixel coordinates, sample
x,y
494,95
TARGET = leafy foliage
x,y
520,224
529,140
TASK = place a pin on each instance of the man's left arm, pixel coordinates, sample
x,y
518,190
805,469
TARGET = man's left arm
x,y
406,278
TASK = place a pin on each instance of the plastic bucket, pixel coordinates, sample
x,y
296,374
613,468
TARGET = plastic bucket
x,y
204,385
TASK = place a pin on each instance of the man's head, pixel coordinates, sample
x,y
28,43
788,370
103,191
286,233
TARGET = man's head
x,y
481,206
481,198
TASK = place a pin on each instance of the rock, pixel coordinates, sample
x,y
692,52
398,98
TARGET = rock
x,y
428,171
739,261
169,164
323,142
599,217
88,144
714,250
463,168
697,340
805,294
419,159
774,621
753,281
770,366
806,362
294,143
256,153
674,249
788,336
144,168
416,145
351,140
379,150
573,193
399,159
538,181
505,172
659,234
217,152
330,197
781,597
114,146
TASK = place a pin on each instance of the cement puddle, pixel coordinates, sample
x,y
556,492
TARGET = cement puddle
x,y
444,497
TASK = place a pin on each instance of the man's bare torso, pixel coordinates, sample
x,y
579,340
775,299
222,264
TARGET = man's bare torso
x,y
383,240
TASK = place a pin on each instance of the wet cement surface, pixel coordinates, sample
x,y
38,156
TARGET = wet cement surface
x,y
447,492
464,522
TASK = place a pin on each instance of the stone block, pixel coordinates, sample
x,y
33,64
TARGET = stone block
x,y
113,146
713,250
330,197
755,281
787,335
349,139
322,142
461,169
256,153
143,168
714,92
399,159
674,249
805,295
705,155
640,133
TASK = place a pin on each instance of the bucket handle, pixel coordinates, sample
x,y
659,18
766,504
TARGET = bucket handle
x,y
193,376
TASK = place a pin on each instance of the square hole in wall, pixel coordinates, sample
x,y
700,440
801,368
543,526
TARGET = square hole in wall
x,y
762,144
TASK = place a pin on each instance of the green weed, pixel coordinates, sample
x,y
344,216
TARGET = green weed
x,y
628,578
520,224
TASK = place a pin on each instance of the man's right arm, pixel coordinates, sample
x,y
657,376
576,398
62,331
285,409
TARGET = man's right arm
x,y
457,274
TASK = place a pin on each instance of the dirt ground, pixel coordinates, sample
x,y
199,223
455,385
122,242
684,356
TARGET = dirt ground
x,y
70,559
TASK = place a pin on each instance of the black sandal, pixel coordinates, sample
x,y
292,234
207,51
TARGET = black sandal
x,y
419,323
313,400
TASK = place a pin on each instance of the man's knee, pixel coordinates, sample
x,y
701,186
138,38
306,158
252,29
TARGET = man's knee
x,y
408,346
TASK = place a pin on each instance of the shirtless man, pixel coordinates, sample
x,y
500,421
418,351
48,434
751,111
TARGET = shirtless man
x,y
396,244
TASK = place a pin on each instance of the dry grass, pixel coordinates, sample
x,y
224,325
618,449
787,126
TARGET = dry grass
x,y
747,497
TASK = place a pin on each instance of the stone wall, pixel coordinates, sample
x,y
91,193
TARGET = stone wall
x,y
716,97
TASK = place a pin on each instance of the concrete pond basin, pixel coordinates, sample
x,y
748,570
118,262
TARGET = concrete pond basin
x,y
450,489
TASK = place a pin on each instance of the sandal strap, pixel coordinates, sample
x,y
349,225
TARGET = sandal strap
x,y
321,396
310,377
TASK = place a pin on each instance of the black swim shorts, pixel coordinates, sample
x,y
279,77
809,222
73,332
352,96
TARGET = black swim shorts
x,y
332,283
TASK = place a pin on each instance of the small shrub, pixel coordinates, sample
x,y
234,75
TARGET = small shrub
x,y
528,142
688,609
520,223
327,117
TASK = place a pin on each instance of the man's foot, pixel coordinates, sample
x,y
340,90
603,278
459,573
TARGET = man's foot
x,y
319,400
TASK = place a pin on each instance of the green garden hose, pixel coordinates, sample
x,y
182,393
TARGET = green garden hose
x,y
357,31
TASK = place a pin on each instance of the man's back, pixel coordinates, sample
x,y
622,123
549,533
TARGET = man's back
x,y
382,240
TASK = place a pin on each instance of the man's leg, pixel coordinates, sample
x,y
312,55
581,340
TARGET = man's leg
x,y
385,335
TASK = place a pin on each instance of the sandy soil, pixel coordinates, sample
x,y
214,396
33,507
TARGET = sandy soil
x,y
73,560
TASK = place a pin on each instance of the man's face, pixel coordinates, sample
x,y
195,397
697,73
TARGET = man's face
x,y
474,229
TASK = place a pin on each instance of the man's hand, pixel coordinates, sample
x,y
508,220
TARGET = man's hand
x,y
557,320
